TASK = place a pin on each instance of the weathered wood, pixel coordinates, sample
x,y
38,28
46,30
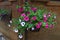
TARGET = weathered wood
x,y
5,3
41,35
15,13
40,0
7,31
12,0
53,3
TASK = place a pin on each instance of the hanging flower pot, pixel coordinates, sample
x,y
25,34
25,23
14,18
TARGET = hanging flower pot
x,y
32,19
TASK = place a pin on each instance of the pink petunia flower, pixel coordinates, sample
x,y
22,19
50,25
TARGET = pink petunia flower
x,y
23,15
38,26
26,18
51,26
49,15
46,25
28,12
45,18
33,9
40,23
20,9
44,15
34,18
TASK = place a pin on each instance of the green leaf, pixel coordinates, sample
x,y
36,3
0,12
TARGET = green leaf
x,y
26,24
34,22
15,21
17,6
30,25
31,12
43,23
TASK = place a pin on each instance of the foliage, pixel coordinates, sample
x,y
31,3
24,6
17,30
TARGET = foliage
x,y
33,17
3,11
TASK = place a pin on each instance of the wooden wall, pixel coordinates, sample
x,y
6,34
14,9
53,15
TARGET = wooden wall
x,y
7,31
43,34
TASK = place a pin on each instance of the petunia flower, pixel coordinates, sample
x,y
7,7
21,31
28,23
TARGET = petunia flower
x,y
34,18
10,21
27,28
32,28
40,23
46,25
51,26
33,9
38,26
44,15
20,9
15,30
23,14
54,17
9,25
44,18
22,23
28,12
20,36
26,18
49,15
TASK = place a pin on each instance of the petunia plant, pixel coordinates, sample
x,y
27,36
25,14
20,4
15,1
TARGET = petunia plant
x,y
33,18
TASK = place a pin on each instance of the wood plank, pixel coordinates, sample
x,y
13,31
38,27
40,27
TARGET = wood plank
x,y
12,0
5,3
7,31
53,3
15,13
39,0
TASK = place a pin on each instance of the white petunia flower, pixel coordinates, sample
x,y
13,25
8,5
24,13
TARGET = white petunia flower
x,y
22,23
10,21
33,28
15,30
9,25
20,36
19,20
54,17
27,28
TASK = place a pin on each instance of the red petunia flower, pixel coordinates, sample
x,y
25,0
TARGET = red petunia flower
x,y
33,9
34,18
20,9
23,15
